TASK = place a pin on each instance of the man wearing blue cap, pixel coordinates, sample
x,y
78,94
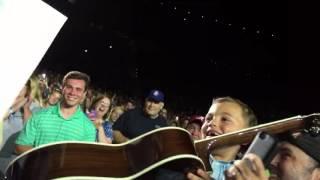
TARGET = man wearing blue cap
x,y
139,121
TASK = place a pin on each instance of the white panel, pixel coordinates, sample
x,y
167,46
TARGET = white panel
x,y
27,29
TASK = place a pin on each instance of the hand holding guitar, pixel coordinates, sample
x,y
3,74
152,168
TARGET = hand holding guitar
x,y
200,175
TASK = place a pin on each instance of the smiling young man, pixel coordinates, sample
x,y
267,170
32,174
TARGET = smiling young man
x,y
63,122
139,121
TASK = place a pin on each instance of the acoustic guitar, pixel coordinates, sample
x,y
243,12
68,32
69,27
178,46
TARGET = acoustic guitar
x,y
169,148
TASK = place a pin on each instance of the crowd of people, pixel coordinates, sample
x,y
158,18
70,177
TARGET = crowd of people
x,y
47,111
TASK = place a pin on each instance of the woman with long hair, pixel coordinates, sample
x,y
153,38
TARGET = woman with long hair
x,y
98,113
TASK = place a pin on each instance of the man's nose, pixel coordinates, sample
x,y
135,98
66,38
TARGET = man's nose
x,y
73,91
275,160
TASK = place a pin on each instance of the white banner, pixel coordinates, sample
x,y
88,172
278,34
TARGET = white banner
x,y
27,29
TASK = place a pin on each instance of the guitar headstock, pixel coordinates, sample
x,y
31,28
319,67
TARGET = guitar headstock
x,y
313,124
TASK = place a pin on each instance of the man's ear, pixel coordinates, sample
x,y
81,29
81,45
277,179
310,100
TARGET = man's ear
x,y
84,96
162,105
315,174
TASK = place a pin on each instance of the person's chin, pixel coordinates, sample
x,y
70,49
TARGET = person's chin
x,y
70,104
149,113
273,177
273,174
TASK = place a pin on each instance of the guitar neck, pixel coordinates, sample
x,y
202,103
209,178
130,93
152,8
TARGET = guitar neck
x,y
244,136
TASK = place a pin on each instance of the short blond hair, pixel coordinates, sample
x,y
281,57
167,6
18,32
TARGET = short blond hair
x,y
247,112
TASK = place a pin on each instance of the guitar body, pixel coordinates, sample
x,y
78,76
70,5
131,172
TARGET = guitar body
x,y
140,158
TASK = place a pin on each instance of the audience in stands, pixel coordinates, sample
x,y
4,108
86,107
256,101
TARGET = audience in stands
x,y
76,112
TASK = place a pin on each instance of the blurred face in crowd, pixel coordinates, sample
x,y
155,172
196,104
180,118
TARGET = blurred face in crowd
x,y
116,113
54,98
129,106
163,113
42,81
89,93
291,163
102,107
185,123
152,108
195,130
223,117
73,92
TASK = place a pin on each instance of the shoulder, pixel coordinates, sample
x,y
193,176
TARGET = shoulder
x,y
134,111
84,117
162,119
45,111
87,122
107,123
131,113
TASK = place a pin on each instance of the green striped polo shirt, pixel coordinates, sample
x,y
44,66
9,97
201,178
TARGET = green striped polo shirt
x,y
48,126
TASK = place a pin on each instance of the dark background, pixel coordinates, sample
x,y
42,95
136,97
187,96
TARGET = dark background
x,y
193,50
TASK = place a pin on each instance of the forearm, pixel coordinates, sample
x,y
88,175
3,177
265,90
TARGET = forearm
x,y
26,113
119,137
102,136
19,149
19,103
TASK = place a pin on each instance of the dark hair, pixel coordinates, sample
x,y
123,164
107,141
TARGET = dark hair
x,y
247,112
77,75
98,99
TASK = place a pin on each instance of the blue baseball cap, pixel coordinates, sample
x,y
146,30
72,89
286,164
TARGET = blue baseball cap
x,y
156,95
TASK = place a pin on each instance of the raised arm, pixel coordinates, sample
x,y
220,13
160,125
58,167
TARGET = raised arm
x,y
119,137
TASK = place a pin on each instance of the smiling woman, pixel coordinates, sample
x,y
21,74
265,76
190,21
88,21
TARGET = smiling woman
x,y
98,113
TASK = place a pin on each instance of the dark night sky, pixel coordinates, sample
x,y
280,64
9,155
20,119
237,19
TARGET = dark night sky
x,y
192,60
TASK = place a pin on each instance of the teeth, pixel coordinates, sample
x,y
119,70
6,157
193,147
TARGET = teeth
x,y
71,98
212,134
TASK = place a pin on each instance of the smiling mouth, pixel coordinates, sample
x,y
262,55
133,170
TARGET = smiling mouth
x,y
273,177
100,109
273,173
71,99
212,134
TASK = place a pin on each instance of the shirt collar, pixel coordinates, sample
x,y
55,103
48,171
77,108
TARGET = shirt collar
x,y
76,114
